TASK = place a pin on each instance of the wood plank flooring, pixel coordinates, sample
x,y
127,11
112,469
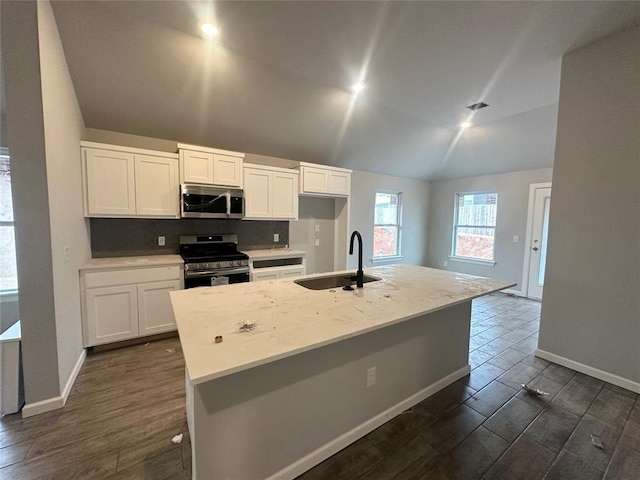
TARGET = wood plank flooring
x,y
127,404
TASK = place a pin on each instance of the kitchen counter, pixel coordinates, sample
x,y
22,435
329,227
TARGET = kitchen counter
x,y
320,368
291,319
274,253
131,262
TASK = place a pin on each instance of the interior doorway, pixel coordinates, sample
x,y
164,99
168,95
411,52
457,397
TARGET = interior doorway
x,y
536,241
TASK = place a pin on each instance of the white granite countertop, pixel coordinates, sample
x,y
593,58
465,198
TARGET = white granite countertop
x,y
274,253
132,262
291,319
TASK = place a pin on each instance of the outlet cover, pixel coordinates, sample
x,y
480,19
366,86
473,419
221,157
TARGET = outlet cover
x,y
445,263
371,377
317,242
161,241
276,237
317,228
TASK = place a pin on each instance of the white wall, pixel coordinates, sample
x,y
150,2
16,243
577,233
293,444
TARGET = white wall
x,y
415,208
513,199
44,127
63,128
591,306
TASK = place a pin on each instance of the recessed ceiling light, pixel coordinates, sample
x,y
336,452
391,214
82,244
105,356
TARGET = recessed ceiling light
x,y
464,125
358,87
210,30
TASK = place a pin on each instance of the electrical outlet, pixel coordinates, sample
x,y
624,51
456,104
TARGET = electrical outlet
x,y
67,254
161,241
317,242
317,228
445,263
516,239
276,237
371,377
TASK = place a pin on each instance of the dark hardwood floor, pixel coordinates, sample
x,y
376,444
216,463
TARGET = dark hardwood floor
x,y
127,404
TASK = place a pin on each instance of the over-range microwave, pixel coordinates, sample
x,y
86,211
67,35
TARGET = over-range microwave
x,y
199,201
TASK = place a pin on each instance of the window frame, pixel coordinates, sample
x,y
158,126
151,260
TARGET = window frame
x,y
4,153
456,226
398,255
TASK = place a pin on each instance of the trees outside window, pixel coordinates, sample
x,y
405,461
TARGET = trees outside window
x,y
475,226
386,229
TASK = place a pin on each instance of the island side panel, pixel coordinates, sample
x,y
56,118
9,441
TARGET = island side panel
x,y
279,419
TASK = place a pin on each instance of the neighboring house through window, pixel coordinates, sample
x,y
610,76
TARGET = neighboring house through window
x,y
8,271
386,228
474,228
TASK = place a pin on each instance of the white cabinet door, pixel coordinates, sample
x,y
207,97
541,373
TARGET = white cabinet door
x,y
109,183
268,274
292,271
284,196
112,314
196,167
227,170
155,314
257,193
339,183
156,186
314,180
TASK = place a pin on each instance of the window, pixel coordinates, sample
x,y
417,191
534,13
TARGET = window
x,y
386,228
8,271
475,225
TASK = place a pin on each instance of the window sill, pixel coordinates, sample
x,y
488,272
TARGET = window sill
x,y
477,261
386,260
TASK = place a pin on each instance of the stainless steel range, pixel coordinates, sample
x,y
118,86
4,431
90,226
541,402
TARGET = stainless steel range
x,y
211,260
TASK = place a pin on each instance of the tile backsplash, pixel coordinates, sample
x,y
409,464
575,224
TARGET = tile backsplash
x,y
123,237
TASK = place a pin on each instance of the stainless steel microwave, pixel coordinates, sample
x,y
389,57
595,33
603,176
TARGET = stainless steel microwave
x,y
199,201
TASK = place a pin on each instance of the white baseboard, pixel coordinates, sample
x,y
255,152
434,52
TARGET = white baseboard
x,y
325,451
36,408
587,370
511,291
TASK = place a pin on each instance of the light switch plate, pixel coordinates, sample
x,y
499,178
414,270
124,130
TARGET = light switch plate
x,y
317,228
317,242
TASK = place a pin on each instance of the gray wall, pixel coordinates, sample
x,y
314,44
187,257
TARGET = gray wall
x,y
513,198
44,129
591,307
115,237
63,128
415,207
314,211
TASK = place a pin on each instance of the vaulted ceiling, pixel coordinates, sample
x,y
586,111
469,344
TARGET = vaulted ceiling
x,y
277,80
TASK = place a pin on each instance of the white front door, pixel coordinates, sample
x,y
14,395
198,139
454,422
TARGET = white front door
x,y
538,241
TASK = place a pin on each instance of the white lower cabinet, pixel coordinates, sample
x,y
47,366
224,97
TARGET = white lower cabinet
x,y
274,273
154,308
127,303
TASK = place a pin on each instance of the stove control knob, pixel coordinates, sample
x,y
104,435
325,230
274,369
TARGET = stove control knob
x,y
218,264
196,266
233,263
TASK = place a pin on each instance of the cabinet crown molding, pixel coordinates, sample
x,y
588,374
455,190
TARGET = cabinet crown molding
x,y
121,148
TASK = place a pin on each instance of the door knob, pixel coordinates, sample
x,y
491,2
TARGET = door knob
x,y
535,249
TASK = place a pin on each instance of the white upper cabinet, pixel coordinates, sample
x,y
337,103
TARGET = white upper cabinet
x,y
129,182
320,180
109,182
270,193
210,166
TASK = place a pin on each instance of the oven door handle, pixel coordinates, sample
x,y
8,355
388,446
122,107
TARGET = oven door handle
x,y
215,273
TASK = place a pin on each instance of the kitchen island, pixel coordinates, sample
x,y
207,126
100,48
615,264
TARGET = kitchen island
x,y
300,374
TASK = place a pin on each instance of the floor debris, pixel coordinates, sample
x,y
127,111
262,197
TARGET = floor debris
x,y
534,391
218,339
595,439
177,438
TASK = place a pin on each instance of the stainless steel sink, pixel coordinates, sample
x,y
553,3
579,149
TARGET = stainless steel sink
x,y
332,281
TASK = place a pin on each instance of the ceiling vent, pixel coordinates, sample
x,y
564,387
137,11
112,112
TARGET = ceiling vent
x,y
477,106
